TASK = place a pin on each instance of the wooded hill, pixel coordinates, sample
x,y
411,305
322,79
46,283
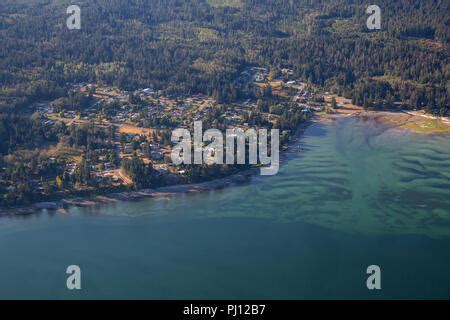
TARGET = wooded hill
x,y
189,46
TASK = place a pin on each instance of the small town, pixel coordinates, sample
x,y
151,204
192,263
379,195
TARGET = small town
x,y
120,140
139,124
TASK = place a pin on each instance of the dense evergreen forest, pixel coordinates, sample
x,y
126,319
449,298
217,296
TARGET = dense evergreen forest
x,y
189,46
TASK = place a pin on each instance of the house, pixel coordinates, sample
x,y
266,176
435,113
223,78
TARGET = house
x,y
287,71
259,77
306,110
129,148
108,166
148,91
307,95
157,155
160,168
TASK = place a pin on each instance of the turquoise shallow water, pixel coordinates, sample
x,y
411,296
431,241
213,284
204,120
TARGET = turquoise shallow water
x,y
358,194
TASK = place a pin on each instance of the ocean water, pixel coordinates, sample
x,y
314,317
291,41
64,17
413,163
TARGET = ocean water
x,y
350,193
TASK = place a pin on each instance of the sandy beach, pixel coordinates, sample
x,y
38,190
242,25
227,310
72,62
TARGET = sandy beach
x,y
415,121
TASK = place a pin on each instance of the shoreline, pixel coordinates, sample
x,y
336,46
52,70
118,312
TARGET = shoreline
x,y
417,122
61,206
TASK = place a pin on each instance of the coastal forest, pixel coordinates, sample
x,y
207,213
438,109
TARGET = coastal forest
x,y
187,47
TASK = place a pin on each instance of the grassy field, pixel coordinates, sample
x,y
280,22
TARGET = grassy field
x,y
205,34
414,123
427,126
127,129
225,3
